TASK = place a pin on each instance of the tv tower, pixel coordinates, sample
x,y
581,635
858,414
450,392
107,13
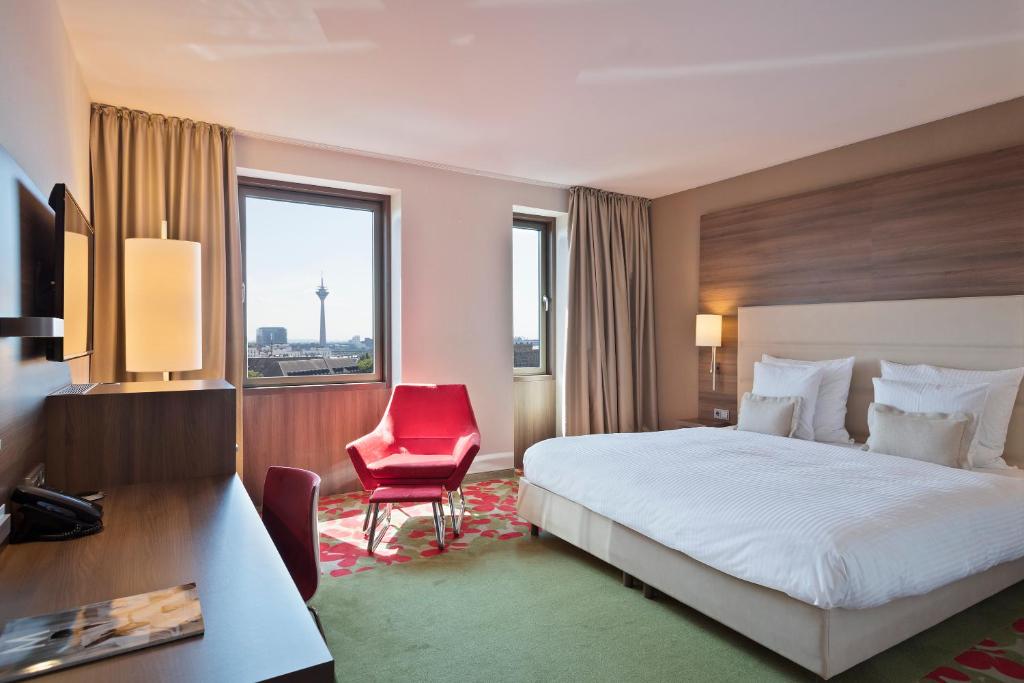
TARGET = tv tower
x,y
322,293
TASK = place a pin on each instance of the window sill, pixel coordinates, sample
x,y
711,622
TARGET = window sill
x,y
538,377
314,387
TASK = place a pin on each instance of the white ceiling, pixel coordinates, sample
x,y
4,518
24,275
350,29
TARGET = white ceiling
x,y
646,96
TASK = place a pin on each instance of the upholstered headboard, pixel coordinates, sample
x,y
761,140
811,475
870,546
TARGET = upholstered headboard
x,y
974,333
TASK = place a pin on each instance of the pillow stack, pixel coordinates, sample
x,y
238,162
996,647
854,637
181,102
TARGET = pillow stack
x,y
829,409
817,391
930,399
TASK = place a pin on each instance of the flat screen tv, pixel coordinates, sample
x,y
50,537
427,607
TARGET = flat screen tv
x,y
74,264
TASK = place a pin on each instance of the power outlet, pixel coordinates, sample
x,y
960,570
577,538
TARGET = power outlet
x,y
37,477
721,414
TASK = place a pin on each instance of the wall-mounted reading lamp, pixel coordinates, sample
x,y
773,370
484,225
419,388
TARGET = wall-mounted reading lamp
x,y
709,333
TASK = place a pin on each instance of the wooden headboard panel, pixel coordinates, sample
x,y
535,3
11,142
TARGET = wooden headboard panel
x,y
954,229
981,333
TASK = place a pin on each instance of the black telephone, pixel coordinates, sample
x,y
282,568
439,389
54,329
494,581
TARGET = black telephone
x,y
47,515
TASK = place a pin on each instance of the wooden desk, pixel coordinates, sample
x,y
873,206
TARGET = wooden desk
x,y
161,535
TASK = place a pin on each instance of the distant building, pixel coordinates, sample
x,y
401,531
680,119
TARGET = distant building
x,y
268,336
303,366
321,294
526,353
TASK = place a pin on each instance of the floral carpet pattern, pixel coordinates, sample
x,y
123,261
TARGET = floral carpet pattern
x,y
1000,658
490,516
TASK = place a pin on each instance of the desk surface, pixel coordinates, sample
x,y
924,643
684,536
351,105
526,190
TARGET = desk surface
x,y
162,535
157,386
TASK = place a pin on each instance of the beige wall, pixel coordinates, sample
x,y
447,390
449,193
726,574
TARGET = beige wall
x,y
453,268
44,119
676,221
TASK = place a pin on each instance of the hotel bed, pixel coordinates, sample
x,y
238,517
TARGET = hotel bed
x,y
825,554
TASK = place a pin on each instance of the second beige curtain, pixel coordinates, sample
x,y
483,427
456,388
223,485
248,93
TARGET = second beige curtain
x,y
610,370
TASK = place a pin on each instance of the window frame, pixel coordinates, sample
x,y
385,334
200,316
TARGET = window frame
x,y
380,206
545,225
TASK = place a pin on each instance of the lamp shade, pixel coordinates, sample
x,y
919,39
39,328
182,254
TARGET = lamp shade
x,y
162,305
709,330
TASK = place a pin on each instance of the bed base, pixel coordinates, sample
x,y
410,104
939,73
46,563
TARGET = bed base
x,y
825,641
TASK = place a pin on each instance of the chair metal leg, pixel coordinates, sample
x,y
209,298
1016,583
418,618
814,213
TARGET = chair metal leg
x,y
439,526
457,520
373,529
366,517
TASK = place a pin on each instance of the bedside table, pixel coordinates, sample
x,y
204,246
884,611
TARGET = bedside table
x,y
701,422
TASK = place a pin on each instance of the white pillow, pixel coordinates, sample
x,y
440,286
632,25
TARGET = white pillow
x,y
940,438
791,380
830,413
987,449
923,397
775,415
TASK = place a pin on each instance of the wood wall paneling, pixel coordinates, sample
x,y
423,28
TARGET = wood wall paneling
x,y
946,230
26,377
533,412
308,427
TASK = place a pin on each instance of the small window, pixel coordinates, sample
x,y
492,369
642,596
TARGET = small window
x,y
531,300
314,268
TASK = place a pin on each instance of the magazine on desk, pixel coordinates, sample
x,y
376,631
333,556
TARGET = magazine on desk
x,y
36,645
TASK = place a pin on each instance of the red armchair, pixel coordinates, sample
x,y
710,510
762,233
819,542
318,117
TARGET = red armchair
x,y
428,436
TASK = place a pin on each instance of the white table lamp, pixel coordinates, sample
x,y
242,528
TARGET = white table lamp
x,y
163,305
709,333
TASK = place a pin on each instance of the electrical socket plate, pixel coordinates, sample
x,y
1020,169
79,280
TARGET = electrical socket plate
x,y
37,477
721,414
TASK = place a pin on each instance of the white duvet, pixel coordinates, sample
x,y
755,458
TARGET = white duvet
x,y
825,524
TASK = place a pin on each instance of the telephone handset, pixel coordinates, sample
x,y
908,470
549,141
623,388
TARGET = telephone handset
x,y
48,515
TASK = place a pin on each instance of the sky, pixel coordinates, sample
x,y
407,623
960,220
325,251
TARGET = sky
x,y
526,283
287,247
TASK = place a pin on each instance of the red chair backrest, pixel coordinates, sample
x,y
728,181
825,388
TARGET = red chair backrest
x,y
290,498
424,413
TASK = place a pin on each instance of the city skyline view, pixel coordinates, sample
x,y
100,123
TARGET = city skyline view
x,y
282,274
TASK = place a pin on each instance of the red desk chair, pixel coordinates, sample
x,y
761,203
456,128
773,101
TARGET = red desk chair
x,y
427,437
290,497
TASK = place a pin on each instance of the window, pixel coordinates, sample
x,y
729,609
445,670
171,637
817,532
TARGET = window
x,y
531,303
315,274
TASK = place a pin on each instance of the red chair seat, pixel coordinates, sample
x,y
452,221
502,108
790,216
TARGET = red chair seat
x,y
406,466
407,494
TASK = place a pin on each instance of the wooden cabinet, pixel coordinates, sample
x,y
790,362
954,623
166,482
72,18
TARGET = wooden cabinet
x,y
136,432
533,412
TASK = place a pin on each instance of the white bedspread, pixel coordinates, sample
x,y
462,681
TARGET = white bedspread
x,y
827,525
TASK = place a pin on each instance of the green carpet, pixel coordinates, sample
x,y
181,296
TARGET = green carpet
x,y
537,609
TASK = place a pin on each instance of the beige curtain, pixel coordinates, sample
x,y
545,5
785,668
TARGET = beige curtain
x,y
609,373
147,168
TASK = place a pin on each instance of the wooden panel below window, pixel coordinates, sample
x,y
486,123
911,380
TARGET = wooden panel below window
x,y
308,427
533,412
951,229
